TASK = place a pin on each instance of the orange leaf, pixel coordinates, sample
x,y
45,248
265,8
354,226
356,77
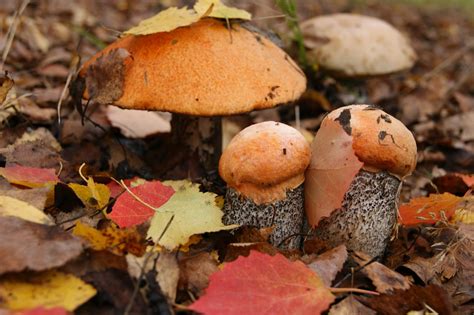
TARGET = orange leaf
x,y
467,179
428,209
29,176
333,167
262,284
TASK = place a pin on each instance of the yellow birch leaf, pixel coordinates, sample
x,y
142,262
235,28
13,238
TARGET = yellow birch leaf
x,y
194,213
93,195
220,10
116,240
12,207
47,289
165,21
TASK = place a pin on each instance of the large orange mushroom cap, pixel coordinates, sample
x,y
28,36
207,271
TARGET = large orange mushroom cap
x,y
204,69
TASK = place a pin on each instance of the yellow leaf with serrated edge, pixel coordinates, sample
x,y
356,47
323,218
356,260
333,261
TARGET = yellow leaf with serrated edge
x,y
220,10
116,240
93,195
11,207
194,213
165,21
47,289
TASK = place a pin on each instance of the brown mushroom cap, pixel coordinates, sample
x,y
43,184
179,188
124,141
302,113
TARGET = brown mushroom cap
x,y
355,45
265,160
379,140
205,69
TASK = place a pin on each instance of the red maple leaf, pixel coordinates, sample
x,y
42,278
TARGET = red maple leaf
x,y
429,209
43,311
29,176
263,284
128,211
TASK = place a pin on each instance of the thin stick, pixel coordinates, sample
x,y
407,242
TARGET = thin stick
x,y
12,31
347,290
142,270
72,71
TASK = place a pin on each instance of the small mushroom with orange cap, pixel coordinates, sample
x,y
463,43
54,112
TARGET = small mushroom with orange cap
x,y
360,157
264,167
199,73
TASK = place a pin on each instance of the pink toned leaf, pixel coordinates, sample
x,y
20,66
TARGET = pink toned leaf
x,y
128,211
29,176
262,284
332,169
428,209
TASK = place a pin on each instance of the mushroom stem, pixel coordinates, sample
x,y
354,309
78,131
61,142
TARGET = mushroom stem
x,y
201,137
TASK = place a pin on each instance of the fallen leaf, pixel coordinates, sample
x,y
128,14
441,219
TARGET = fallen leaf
x,y
350,306
11,207
105,76
415,298
330,172
385,279
128,211
195,271
194,213
138,123
94,195
165,21
29,176
37,197
167,274
468,179
6,83
26,245
113,239
220,10
428,209
328,264
262,284
48,289
43,311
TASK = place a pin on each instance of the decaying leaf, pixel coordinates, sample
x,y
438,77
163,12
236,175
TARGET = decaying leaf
x,y
350,306
385,279
6,83
194,213
94,195
328,264
262,284
113,239
128,211
195,271
47,289
220,10
167,274
37,197
105,77
11,207
331,171
29,176
26,245
430,209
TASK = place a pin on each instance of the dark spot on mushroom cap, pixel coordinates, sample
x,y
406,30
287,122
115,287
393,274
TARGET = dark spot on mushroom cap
x,y
371,107
284,151
344,120
385,118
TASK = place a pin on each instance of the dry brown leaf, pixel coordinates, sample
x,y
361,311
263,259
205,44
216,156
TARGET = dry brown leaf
x,y
105,77
167,274
385,279
27,245
350,306
331,171
195,271
328,264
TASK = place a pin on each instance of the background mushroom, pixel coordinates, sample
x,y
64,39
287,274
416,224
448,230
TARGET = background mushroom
x,y
360,157
204,69
352,45
263,167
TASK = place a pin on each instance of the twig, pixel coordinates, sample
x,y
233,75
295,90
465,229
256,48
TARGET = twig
x,y
12,30
356,270
142,270
72,71
356,290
